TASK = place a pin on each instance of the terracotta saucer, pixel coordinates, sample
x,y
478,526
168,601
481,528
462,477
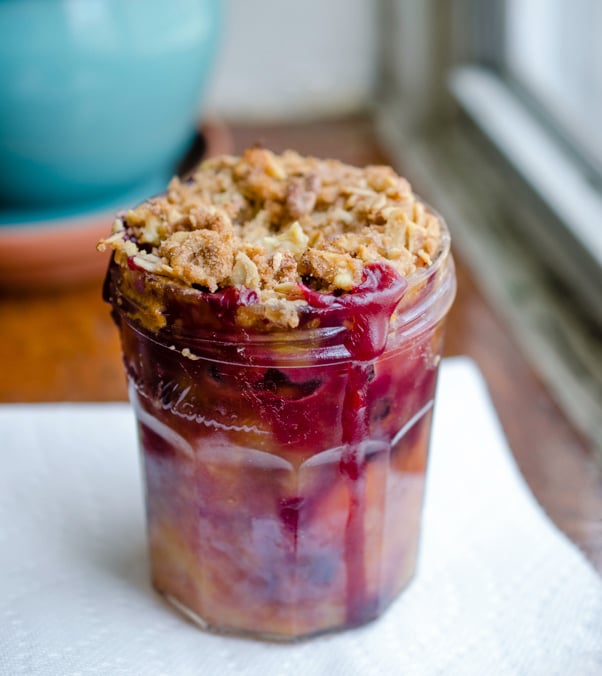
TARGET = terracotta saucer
x,y
61,251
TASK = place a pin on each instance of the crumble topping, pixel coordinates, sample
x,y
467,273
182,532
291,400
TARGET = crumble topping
x,y
269,222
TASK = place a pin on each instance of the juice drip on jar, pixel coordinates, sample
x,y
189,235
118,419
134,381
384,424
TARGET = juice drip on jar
x,y
352,468
366,313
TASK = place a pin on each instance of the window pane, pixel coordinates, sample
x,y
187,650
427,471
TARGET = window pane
x,y
554,49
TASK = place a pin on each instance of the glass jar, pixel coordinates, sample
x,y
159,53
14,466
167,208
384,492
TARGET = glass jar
x,y
285,469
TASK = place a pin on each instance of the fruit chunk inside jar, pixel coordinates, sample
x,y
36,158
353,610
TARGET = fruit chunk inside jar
x,y
284,479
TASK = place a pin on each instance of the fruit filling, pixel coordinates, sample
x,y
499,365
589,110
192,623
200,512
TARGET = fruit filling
x,y
282,344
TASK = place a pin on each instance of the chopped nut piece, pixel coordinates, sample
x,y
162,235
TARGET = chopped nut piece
x,y
285,268
293,239
340,270
302,194
244,272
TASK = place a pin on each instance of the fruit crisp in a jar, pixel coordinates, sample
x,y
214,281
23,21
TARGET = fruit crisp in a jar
x,y
281,320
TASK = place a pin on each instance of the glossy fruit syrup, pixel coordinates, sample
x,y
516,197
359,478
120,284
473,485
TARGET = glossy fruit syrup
x,y
285,470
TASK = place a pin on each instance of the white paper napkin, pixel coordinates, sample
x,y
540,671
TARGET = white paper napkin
x,y
499,589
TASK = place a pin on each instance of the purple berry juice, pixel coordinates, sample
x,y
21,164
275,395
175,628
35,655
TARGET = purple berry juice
x,y
282,321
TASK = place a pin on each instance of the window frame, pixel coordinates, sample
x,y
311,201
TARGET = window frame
x,y
558,121
520,236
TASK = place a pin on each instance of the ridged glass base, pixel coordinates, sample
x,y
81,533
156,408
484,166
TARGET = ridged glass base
x,y
196,619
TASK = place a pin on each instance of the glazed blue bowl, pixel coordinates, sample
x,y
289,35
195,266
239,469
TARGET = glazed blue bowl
x,y
98,96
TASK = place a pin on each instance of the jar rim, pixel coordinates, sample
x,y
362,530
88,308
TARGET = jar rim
x,y
420,274
428,295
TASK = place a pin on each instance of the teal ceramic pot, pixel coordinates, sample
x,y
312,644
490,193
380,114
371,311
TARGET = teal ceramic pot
x,y
98,96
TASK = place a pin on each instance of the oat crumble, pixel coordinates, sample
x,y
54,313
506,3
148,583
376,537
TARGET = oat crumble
x,y
268,222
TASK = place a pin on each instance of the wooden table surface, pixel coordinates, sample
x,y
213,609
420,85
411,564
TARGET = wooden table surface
x,y
62,346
